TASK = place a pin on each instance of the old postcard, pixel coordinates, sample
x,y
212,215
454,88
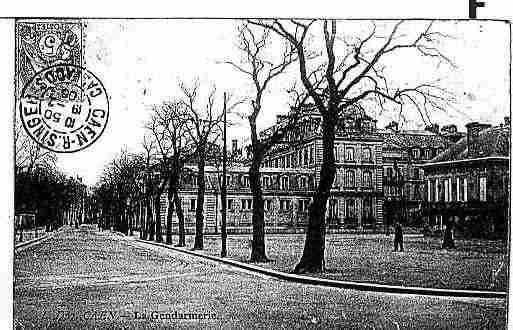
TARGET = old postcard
x,y
272,173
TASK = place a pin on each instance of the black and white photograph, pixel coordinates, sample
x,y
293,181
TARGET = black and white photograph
x,y
260,173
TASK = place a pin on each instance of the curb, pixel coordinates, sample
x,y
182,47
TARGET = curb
x,y
342,284
32,241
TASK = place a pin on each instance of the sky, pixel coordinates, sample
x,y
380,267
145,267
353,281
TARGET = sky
x,y
140,63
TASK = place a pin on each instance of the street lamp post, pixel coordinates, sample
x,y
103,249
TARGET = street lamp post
x,y
223,187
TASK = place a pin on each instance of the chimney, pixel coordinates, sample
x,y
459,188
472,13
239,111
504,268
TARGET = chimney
x,y
507,121
393,126
448,129
234,146
473,130
434,128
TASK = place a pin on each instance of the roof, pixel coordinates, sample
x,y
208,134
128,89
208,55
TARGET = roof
x,y
491,142
413,138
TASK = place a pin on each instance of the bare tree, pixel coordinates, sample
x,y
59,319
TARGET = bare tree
x,y
148,227
261,70
204,129
168,126
29,154
345,81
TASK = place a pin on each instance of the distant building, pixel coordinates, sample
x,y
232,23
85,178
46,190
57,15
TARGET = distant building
x,y
469,183
404,151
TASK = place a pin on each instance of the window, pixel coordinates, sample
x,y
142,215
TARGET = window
x,y
465,189
276,162
267,181
282,159
446,190
366,154
284,182
482,189
300,157
229,204
350,208
367,208
428,154
349,154
245,181
416,192
192,205
305,157
267,204
247,204
416,173
302,182
311,155
367,179
389,172
228,180
416,153
303,205
333,209
454,190
287,159
350,178
284,205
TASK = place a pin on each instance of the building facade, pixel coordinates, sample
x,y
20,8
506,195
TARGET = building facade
x,y
468,184
379,176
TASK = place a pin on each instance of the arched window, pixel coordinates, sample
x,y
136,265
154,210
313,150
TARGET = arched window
x,y
350,178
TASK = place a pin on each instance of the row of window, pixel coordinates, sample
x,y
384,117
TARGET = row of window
x,y
427,153
389,172
267,182
301,157
456,190
350,179
286,205
349,155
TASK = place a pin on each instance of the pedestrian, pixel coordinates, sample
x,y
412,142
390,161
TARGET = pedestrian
x,y
398,238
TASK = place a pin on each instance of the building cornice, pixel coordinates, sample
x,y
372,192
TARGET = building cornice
x,y
468,160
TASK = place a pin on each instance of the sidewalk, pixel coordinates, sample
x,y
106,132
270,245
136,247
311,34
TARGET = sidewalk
x,y
367,263
29,235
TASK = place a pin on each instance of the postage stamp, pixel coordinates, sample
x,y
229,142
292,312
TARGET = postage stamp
x,y
64,108
42,43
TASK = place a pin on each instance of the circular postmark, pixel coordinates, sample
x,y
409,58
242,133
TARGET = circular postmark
x,y
64,108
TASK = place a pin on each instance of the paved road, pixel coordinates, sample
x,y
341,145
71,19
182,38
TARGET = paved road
x,y
89,279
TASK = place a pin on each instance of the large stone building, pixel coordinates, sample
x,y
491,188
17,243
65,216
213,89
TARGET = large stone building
x,y
468,184
378,176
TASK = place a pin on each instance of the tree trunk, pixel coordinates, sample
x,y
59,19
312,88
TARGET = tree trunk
x,y
158,219
312,260
258,219
170,210
181,220
150,228
198,239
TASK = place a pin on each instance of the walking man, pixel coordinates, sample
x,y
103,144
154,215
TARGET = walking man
x,y
398,238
